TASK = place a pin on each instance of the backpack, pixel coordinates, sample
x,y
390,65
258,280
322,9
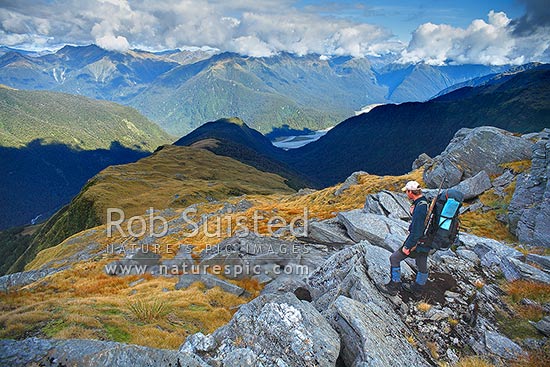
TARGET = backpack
x,y
443,228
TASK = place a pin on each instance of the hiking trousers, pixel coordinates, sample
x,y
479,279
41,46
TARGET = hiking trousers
x,y
421,260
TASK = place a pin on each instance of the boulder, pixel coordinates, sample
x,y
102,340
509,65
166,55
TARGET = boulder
x,y
23,278
529,272
344,290
501,346
77,352
543,326
243,256
368,341
329,232
474,186
529,209
371,227
474,150
542,261
350,181
390,204
421,161
279,330
182,259
505,179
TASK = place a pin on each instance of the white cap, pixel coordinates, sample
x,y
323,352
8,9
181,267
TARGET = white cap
x,y
411,185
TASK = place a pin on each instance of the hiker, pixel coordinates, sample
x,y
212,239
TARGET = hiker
x,y
411,247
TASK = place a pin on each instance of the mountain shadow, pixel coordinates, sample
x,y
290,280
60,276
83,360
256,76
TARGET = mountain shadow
x,y
38,179
389,138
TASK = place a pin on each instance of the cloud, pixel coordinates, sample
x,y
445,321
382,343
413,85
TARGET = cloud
x,y
267,27
113,43
256,28
535,20
491,43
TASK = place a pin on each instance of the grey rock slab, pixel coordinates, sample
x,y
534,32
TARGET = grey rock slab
x,y
23,278
396,205
529,272
367,339
468,255
328,232
543,326
529,209
501,346
371,227
474,186
249,251
505,179
378,264
474,150
282,329
543,261
80,352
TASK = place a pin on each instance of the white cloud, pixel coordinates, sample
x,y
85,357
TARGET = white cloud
x,y
261,28
113,43
492,42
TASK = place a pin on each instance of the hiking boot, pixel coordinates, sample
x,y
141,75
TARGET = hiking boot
x,y
416,290
391,288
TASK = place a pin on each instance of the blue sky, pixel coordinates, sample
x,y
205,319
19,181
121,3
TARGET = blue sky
x,y
435,32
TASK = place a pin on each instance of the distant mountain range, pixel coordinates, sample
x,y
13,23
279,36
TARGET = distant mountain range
x,y
388,139
180,90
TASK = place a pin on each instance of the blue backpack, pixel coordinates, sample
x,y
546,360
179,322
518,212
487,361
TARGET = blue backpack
x,y
443,227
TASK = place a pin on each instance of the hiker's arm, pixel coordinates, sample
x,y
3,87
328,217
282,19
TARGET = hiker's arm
x,y
417,226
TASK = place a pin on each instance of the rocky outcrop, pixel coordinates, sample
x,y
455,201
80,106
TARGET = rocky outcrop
x,y
500,345
249,255
23,278
529,210
271,330
372,227
349,182
474,186
343,290
89,353
474,150
390,204
328,232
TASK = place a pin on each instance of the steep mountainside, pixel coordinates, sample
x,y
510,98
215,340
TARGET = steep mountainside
x,y
409,83
172,177
388,139
52,143
73,120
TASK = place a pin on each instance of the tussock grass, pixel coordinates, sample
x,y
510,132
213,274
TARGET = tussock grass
x,y
520,289
149,310
485,224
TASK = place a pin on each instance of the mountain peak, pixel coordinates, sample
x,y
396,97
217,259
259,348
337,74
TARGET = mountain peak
x,y
232,120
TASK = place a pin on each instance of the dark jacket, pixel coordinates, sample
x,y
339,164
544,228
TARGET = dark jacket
x,y
416,228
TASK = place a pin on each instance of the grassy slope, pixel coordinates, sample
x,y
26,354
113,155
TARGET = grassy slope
x,y
85,303
172,177
73,120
